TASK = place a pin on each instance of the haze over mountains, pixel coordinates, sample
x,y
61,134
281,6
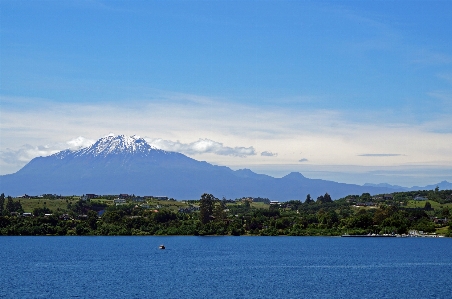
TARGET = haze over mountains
x,y
123,164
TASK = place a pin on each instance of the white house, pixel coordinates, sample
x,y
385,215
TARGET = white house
x,y
119,201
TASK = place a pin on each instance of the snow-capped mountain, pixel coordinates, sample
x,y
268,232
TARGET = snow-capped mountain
x,y
113,145
109,155
128,164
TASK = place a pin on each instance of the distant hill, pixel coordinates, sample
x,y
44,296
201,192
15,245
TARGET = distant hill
x,y
444,185
385,185
123,164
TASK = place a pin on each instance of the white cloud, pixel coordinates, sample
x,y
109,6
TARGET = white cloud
x,y
201,146
79,142
327,137
17,158
268,154
12,160
26,152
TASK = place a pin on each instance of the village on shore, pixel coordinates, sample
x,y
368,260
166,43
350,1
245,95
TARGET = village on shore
x,y
400,214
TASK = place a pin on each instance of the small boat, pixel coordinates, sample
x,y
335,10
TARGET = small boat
x,y
162,246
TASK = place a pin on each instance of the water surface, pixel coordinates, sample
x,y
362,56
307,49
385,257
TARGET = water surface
x,y
225,267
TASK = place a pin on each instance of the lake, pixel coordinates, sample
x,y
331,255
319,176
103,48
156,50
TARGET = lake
x,y
225,267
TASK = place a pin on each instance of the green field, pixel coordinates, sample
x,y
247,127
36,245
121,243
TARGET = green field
x,y
167,204
442,230
260,205
29,204
421,204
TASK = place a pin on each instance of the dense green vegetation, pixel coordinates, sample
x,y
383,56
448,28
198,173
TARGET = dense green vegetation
x,y
355,214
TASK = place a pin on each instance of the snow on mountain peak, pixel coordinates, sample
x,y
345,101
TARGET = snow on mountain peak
x,y
116,144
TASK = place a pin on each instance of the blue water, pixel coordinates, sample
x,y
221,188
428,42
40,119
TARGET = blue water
x,y
225,267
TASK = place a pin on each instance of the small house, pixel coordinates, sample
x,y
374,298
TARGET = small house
x,y
119,201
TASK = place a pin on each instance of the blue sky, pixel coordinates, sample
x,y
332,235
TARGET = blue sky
x,y
354,91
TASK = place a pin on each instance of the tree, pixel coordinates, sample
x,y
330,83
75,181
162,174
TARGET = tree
x,y
327,198
428,206
365,197
324,198
445,213
218,211
308,199
2,203
246,204
320,199
206,204
39,212
92,219
12,206
328,218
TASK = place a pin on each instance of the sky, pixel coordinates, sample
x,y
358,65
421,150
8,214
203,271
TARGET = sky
x,y
351,91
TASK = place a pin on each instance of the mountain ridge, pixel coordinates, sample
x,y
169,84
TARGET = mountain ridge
x,y
128,164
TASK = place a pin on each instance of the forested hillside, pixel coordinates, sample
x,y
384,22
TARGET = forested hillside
x,y
396,213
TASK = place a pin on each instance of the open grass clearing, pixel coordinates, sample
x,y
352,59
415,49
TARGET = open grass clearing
x,y
442,230
421,204
29,204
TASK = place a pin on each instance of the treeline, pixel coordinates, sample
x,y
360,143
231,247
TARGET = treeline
x,y
220,217
440,196
10,206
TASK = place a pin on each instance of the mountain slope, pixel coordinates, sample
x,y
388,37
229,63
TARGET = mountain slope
x,y
123,164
